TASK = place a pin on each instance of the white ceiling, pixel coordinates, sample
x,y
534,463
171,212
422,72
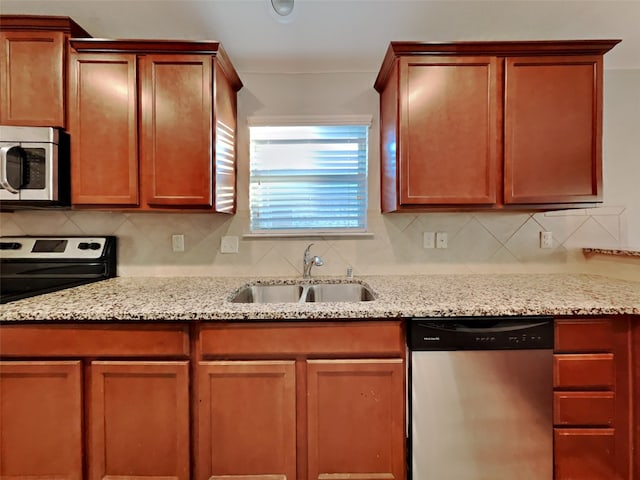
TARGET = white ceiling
x,y
347,36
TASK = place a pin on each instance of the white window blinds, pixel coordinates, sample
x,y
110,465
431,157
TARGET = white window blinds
x,y
308,178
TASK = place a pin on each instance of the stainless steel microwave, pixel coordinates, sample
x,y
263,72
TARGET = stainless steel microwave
x,y
34,167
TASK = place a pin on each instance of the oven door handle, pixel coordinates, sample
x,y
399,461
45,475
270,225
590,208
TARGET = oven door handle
x,y
4,176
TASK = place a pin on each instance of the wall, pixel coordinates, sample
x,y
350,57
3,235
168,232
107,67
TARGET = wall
x,y
480,242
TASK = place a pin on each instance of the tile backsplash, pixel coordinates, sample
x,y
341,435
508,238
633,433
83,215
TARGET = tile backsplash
x,y
477,242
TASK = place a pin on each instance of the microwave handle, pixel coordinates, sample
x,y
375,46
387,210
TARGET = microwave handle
x,y
4,180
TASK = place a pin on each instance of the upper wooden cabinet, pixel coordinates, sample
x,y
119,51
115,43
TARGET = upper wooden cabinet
x,y
477,125
153,125
33,69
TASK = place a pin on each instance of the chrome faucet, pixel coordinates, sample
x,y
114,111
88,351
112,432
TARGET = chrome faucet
x,y
310,261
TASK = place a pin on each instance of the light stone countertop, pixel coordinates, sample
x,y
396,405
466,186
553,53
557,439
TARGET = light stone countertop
x,y
207,298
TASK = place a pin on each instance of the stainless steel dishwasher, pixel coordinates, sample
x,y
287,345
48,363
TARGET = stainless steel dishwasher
x,y
481,395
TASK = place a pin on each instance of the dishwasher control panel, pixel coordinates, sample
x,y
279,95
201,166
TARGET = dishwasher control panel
x,y
480,333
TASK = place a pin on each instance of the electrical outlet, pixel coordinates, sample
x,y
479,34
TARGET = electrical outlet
x,y
429,240
442,240
177,243
546,240
229,244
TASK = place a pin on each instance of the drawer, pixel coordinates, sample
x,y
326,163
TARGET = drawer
x,y
579,409
247,340
584,453
576,336
104,340
595,371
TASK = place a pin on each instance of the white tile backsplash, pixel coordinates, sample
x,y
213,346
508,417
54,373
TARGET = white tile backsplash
x,y
478,242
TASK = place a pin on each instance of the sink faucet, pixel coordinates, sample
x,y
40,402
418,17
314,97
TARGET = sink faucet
x,y
310,261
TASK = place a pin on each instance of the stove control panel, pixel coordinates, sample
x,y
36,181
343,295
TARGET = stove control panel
x,y
51,247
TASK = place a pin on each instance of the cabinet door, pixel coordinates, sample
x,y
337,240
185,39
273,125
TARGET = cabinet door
x,y
103,126
553,114
40,420
32,78
449,134
139,420
356,425
585,454
176,130
247,420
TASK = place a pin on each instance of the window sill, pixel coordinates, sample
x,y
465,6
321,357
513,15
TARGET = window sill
x,y
257,236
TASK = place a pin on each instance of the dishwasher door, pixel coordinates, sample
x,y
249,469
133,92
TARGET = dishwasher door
x,y
482,415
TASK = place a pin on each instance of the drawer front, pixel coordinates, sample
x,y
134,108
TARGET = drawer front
x,y
584,371
578,409
379,338
65,340
576,336
584,453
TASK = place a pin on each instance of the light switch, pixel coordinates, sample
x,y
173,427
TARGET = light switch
x,y
177,242
442,240
429,240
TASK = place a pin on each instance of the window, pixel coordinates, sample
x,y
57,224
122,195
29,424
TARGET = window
x,y
308,178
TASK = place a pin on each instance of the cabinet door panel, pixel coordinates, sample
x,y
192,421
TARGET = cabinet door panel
x,y
247,420
103,127
449,134
139,420
584,408
176,130
552,145
32,76
584,335
40,420
585,454
356,419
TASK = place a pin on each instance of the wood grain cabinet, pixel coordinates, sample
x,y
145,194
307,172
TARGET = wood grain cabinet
x,y
33,69
488,125
153,125
593,398
301,401
66,415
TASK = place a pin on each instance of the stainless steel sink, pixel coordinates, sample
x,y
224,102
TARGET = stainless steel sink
x,y
339,292
304,293
268,294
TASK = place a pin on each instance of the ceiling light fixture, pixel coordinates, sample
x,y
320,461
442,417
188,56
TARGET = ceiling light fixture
x,y
282,7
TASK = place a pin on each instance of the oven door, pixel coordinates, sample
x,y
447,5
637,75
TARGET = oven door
x,y
28,171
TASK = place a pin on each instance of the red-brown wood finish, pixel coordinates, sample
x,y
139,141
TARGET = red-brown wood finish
x,y
247,420
41,420
138,420
593,399
96,340
448,148
479,125
33,69
103,119
184,94
635,395
355,419
33,78
176,130
553,130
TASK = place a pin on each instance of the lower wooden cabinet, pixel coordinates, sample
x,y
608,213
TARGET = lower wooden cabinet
x,y
301,401
138,422
593,409
41,420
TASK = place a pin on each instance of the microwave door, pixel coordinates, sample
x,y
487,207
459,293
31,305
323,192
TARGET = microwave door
x,y
11,170
40,176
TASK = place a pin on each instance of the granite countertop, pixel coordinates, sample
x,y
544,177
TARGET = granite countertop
x,y
615,251
207,298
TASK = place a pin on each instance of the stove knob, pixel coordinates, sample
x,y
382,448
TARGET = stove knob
x,y
94,246
83,246
10,246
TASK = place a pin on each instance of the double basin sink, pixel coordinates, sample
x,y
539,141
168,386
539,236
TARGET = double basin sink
x,y
304,293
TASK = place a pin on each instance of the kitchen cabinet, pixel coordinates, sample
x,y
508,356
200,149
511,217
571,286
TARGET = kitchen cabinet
x,y
33,69
329,398
41,418
153,125
491,125
111,400
593,399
